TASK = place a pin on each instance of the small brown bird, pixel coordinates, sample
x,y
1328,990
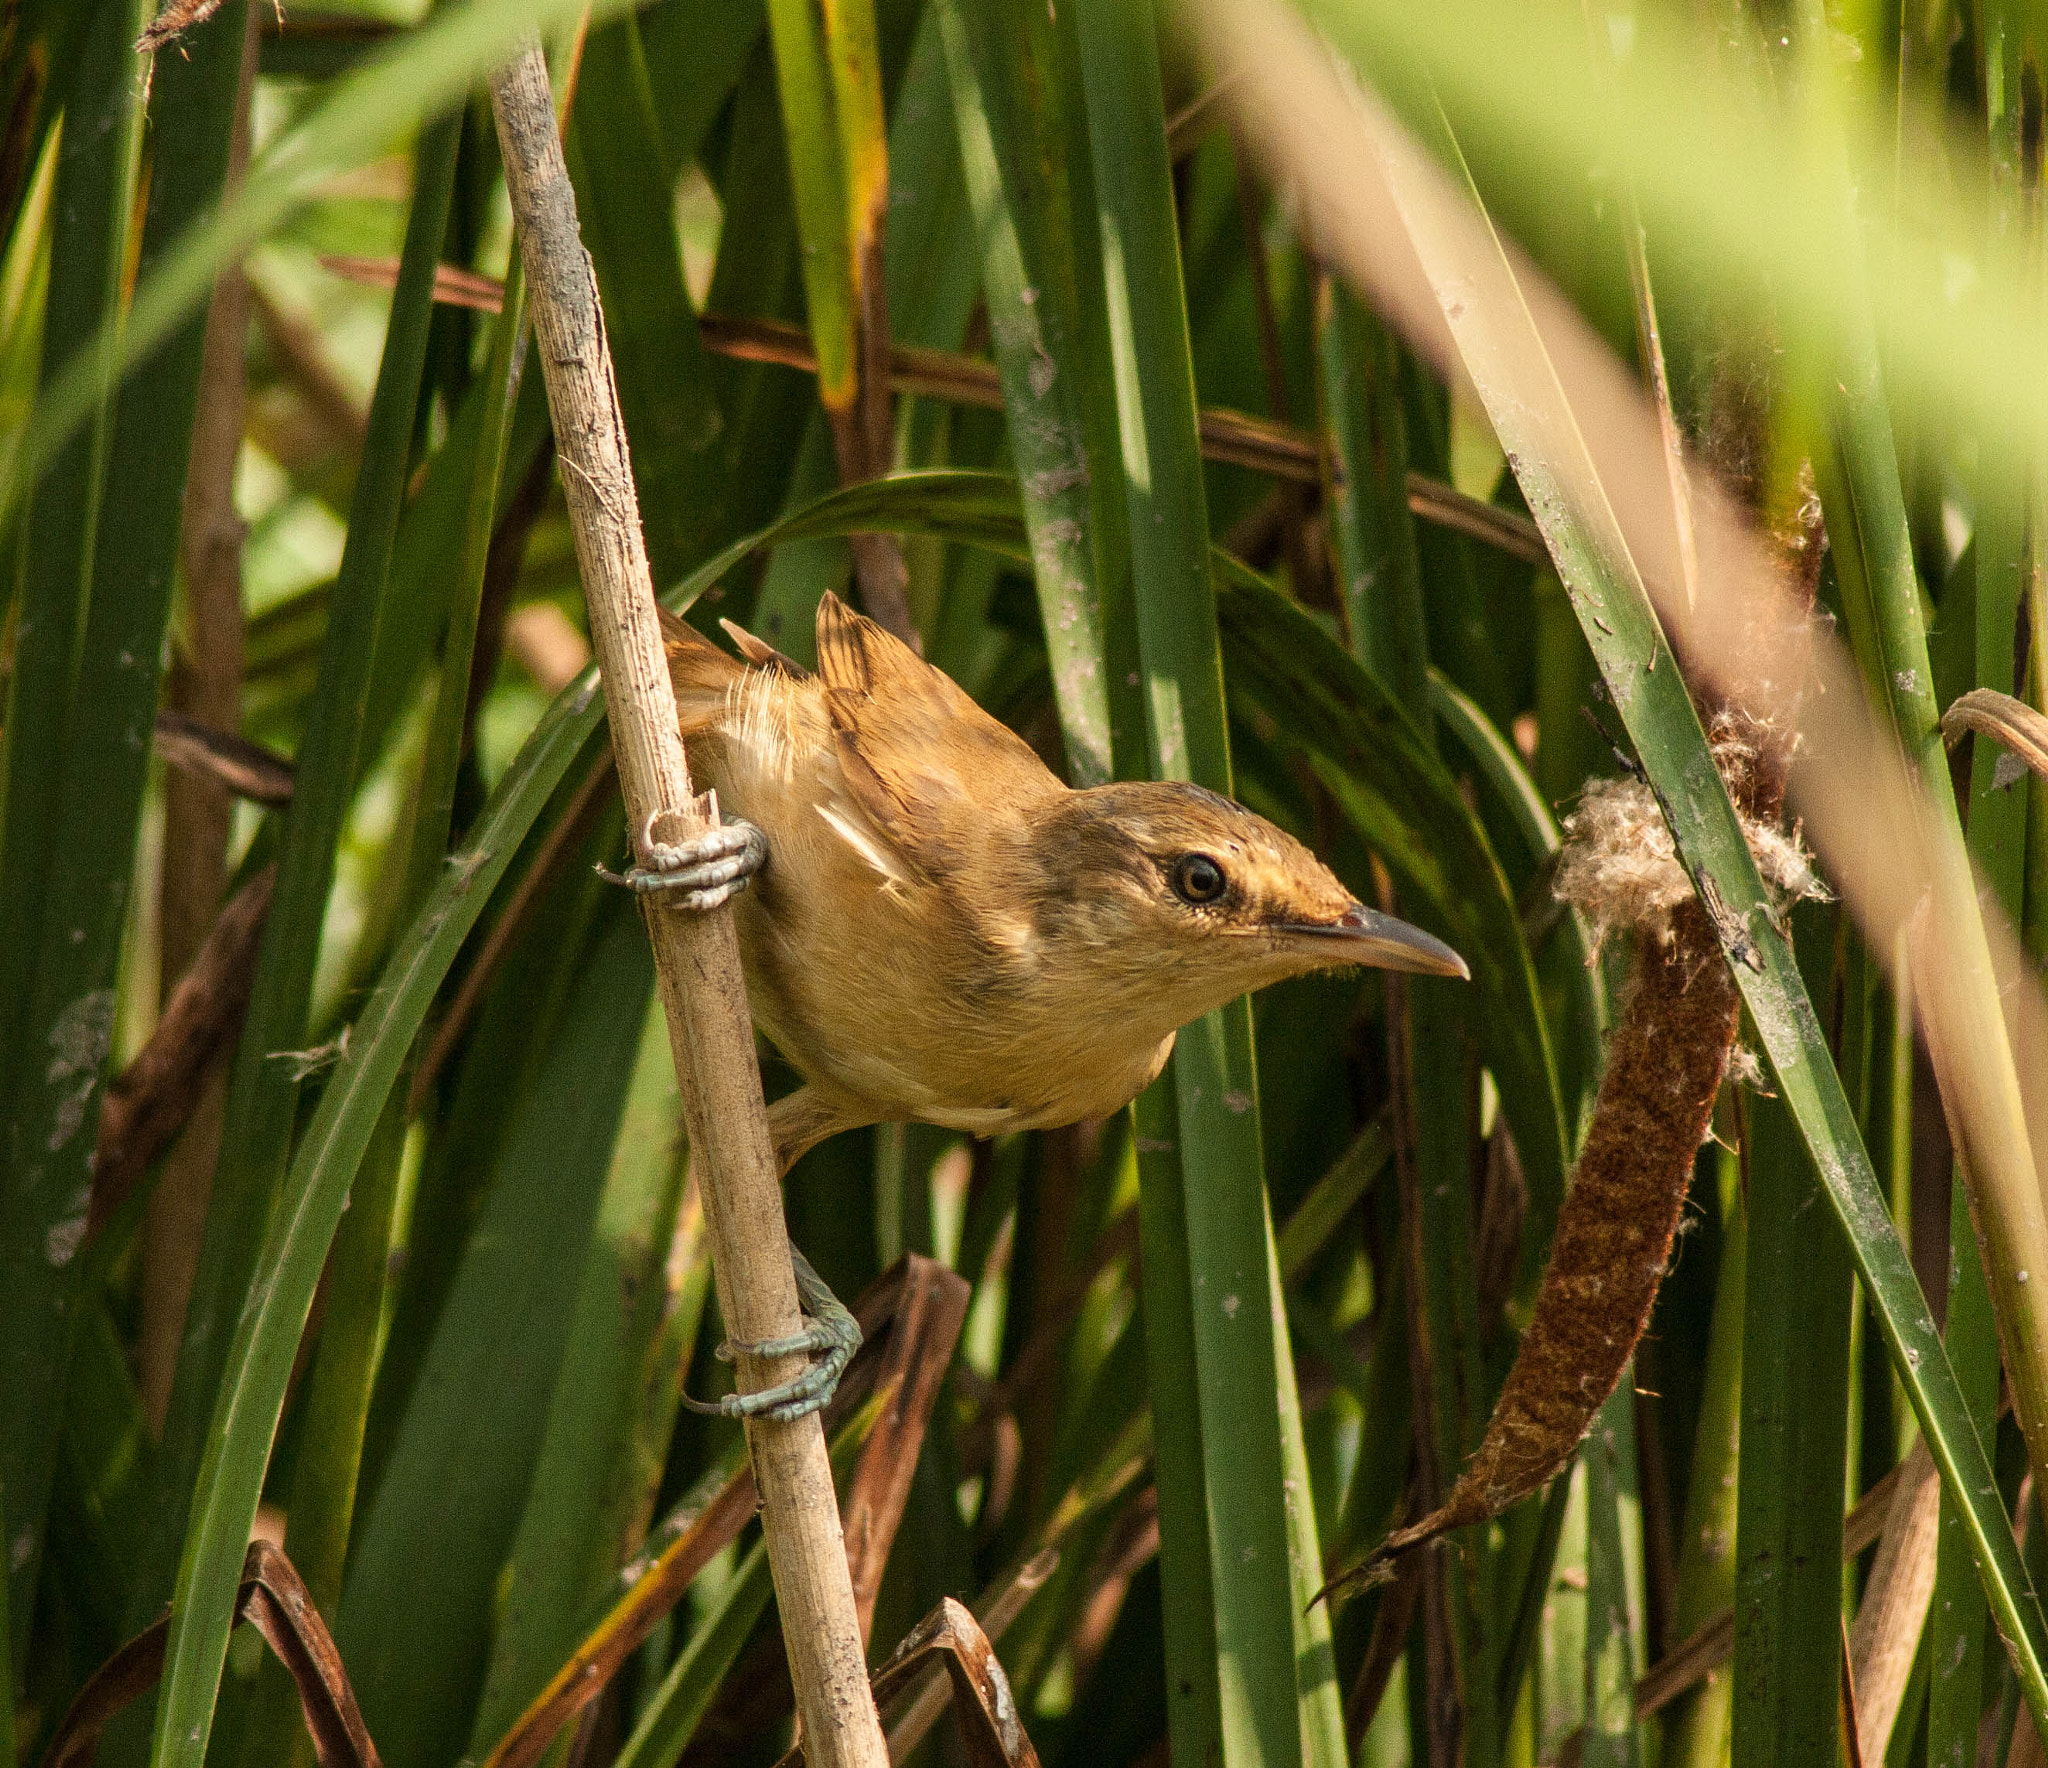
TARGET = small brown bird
x,y
940,931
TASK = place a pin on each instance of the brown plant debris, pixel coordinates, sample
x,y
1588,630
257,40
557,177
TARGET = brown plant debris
x,y
246,769
1666,1059
148,1104
2014,724
1620,867
1614,1231
272,1599
173,22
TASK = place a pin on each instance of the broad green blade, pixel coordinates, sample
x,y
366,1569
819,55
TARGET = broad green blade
x,y
102,549
415,1618
1794,1437
1612,1737
1381,586
613,1411
1016,92
1215,1330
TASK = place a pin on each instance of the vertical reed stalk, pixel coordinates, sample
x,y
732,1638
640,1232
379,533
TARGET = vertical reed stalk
x,y
696,957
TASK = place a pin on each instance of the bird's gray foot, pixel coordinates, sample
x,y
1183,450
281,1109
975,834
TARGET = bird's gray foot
x,y
830,1338
698,875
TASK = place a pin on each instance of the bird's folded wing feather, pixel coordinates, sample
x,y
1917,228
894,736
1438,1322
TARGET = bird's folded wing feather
x,y
926,764
701,672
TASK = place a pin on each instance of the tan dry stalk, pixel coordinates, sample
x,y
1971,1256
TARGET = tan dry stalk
x,y
2013,724
206,683
1894,1608
697,965
158,1094
2026,1751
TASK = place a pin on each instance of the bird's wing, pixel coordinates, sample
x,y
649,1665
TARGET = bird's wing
x,y
927,766
763,655
702,674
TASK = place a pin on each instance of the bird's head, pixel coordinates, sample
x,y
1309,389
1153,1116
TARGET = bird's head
x,y
1189,900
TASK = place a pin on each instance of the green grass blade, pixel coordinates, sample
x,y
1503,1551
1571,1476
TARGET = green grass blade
x,y
1381,588
295,1252
932,269
1612,1737
678,1705
1788,1539
1380,572
113,678
758,271
613,1410
1205,1245
625,205
1696,1732
695,56
1015,88
685,1694
95,186
41,1200
822,182
1332,1197
415,1617
369,1246
324,1481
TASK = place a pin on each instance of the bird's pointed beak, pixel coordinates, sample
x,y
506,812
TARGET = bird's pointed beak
x,y
1365,936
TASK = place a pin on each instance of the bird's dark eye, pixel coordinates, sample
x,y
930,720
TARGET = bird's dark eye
x,y
1197,879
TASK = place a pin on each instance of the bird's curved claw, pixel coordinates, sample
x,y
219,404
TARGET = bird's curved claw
x,y
830,1337
698,875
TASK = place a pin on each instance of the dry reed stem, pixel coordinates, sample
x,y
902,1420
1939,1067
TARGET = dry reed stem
x,y
1282,451
696,957
157,1095
1894,1608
